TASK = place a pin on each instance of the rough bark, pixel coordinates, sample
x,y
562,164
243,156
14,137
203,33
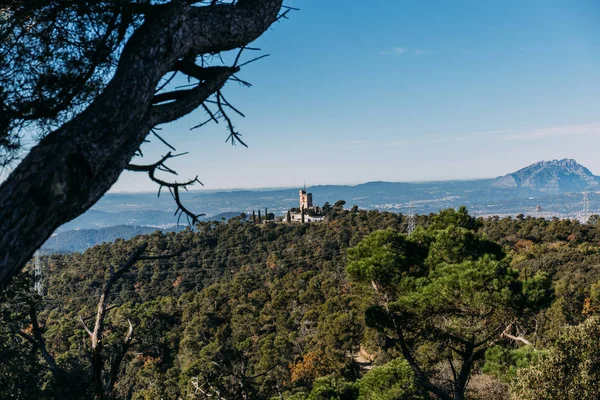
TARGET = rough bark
x,y
70,169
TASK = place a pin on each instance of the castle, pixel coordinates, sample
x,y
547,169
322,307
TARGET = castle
x,y
307,211
305,200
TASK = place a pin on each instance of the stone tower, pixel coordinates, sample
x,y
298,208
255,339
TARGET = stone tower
x,y
305,199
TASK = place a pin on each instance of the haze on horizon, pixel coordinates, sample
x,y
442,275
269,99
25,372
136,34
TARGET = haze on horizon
x,y
398,91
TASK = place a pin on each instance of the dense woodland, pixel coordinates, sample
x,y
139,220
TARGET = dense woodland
x,y
351,308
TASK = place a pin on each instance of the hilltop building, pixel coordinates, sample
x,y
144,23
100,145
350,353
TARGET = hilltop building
x,y
305,200
307,212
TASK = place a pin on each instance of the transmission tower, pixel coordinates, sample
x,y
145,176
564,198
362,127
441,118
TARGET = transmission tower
x,y
585,212
411,220
586,203
38,286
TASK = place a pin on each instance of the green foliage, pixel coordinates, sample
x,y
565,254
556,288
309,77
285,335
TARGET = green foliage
x,y
451,217
392,381
570,370
503,363
339,205
330,388
255,310
537,291
21,371
385,257
457,278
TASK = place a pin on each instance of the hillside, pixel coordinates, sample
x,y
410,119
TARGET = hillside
x,y
268,311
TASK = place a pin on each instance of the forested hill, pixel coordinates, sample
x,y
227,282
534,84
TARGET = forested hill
x,y
263,311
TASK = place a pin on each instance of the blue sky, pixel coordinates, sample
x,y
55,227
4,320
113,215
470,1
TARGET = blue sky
x,y
404,91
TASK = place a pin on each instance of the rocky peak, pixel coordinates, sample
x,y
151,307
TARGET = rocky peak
x,y
565,175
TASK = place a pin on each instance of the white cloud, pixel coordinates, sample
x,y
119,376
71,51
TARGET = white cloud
x,y
396,51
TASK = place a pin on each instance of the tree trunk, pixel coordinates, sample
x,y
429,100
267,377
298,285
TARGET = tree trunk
x,y
70,169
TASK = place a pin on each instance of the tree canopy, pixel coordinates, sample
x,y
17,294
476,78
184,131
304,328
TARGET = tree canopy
x,y
446,294
269,311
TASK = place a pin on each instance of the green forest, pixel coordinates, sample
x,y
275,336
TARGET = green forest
x,y
350,308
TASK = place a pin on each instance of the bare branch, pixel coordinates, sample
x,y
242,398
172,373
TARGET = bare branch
x,y
129,335
506,334
164,85
242,82
100,387
213,117
518,339
172,186
228,104
234,136
162,140
115,364
89,332
253,60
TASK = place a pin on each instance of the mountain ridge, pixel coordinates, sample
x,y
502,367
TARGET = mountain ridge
x,y
555,176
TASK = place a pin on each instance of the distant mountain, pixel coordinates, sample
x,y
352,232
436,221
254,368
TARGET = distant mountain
x,y
555,176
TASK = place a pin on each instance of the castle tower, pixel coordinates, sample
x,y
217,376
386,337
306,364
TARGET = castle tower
x,y
305,199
